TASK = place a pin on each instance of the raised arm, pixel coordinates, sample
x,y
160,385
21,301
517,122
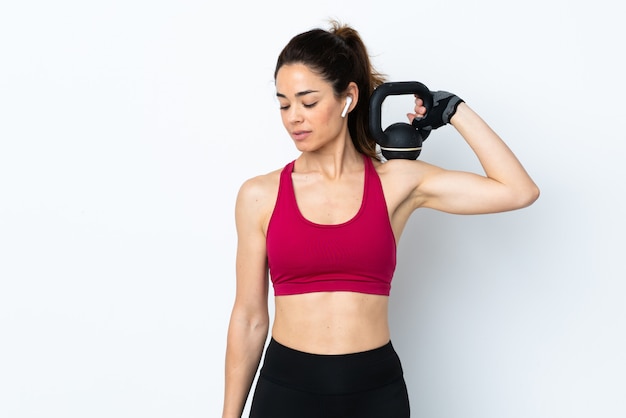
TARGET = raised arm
x,y
249,321
504,186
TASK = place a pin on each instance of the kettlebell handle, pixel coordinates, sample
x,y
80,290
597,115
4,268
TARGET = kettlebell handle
x,y
394,88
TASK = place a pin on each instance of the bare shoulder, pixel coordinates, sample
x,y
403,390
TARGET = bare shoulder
x,y
257,197
258,187
403,172
403,166
401,180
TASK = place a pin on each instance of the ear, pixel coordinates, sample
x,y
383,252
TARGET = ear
x,y
352,98
344,112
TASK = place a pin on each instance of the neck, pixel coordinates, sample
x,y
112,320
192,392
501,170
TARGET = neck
x,y
331,164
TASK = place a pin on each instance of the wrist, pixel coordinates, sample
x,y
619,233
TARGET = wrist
x,y
462,113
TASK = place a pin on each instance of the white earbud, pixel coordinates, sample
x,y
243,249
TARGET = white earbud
x,y
345,109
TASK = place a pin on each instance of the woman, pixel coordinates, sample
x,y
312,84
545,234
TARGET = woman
x,y
326,227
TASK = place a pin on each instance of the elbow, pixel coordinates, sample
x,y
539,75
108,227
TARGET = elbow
x,y
261,324
528,196
244,333
536,194
257,323
250,321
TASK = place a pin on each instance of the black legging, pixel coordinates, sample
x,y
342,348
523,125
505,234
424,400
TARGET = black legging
x,y
294,384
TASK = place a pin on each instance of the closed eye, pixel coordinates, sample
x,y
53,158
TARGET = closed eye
x,y
306,105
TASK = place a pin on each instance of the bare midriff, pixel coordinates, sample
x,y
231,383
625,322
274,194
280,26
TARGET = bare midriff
x,y
331,322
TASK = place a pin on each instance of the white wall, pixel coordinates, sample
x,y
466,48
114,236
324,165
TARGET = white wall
x,y
126,128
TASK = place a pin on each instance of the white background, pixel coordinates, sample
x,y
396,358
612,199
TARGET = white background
x,y
127,127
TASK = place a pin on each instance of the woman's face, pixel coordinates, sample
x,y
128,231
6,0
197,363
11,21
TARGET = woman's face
x,y
309,109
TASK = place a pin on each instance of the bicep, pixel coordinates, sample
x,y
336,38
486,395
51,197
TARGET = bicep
x,y
464,193
251,258
251,273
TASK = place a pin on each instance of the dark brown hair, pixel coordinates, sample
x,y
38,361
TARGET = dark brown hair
x,y
339,56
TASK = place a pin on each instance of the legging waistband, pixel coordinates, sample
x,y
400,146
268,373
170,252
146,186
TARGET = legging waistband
x,y
331,374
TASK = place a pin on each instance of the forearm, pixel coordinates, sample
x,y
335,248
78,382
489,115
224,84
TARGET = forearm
x,y
496,158
245,344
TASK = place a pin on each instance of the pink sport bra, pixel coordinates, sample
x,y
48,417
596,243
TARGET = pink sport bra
x,y
356,256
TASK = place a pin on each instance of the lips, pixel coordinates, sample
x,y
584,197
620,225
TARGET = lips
x,y
300,135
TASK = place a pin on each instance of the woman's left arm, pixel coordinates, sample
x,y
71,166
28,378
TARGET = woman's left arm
x,y
504,186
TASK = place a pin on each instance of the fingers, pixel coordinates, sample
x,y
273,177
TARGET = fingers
x,y
419,112
419,115
420,109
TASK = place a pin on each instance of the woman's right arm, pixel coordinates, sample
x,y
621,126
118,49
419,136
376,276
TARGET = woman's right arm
x,y
249,321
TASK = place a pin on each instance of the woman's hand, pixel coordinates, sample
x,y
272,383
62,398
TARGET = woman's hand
x,y
420,110
443,109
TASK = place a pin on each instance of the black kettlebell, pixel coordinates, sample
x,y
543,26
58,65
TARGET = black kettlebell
x,y
400,139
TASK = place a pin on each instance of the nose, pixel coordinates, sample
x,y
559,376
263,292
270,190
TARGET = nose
x,y
294,115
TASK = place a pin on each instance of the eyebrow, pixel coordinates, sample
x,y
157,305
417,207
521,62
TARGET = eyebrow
x,y
298,94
